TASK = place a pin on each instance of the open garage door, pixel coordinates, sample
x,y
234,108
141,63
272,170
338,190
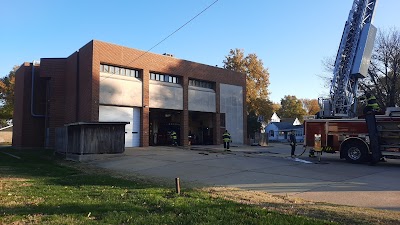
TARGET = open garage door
x,y
123,114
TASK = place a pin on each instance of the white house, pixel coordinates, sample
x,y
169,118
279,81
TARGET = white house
x,y
279,129
275,118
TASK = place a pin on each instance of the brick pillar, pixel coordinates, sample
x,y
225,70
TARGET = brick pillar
x,y
185,114
144,122
217,139
217,129
245,139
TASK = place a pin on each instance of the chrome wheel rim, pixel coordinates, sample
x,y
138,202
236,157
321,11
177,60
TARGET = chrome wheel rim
x,y
354,153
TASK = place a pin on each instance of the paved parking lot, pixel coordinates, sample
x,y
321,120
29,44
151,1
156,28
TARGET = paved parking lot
x,y
267,169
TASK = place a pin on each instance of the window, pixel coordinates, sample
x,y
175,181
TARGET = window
x,y
203,84
271,133
119,70
163,78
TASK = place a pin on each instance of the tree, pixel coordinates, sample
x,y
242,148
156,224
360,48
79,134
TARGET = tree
x,y
311,106
257,80
383,78
253,125
276,107
7,84
291,107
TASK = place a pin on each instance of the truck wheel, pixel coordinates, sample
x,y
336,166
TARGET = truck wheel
x,y
355,152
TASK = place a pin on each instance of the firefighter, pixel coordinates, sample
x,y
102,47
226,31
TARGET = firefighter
x,y
174,138
226,137
292,139
372,104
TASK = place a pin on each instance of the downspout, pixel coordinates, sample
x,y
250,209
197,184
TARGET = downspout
x,y
77,88
33,91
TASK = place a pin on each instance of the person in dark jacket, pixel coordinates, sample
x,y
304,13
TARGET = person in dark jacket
x,y
226,138
292,140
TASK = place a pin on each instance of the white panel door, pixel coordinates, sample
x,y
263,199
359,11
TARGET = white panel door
x,y
123,114
136,127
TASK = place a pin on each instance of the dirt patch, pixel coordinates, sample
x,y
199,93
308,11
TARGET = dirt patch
x,y
296,206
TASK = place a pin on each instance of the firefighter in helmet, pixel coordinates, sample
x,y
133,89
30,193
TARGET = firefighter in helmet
x,y
174,138
371,103
226,137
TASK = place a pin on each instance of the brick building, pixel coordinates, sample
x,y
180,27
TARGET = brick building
x,y
106,82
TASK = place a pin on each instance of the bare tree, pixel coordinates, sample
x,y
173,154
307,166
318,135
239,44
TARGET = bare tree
x,y
383,78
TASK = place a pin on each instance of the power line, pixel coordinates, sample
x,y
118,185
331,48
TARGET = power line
x,y
144,53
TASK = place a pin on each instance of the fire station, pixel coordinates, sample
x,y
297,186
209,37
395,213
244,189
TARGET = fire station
x,y
103,82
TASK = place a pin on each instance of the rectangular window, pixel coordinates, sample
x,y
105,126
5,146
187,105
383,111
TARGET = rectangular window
x,y
112,69
161,77
152,76
101,68
157,76
136,74
122,71
106,69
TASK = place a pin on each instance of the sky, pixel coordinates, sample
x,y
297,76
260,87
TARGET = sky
x,y
292,38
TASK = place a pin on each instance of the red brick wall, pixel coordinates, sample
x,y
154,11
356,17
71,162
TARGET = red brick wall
x,y
123,56
71,92
145,120
88,107
55,69
18,106
28,131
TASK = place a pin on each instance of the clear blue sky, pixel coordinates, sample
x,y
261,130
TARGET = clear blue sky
x,y
290,37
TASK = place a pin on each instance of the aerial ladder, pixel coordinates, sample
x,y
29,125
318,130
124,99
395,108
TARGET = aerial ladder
x,y
337,128
352,61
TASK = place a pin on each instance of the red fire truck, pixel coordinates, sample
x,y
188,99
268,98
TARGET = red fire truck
x,y
354,138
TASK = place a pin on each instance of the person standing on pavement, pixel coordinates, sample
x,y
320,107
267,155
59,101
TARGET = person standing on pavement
x,y
226,137
292,140
174,138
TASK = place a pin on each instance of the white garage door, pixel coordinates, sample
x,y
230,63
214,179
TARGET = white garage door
x,y
123,114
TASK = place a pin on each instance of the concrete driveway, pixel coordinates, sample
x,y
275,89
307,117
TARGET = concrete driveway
x,y
267,169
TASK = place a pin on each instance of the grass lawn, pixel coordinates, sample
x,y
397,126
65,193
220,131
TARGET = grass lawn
x,y
36,189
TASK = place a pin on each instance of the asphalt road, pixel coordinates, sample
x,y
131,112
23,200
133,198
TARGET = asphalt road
x,y
267,169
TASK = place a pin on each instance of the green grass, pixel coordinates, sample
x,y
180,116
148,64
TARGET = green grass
x,y
36,189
